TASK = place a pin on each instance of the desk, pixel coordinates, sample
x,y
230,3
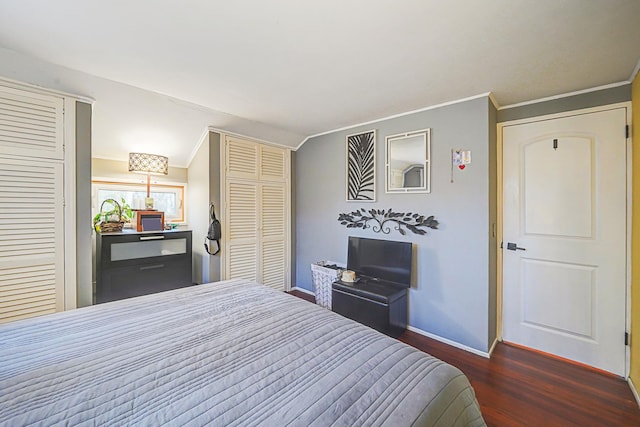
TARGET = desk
x,y
130,264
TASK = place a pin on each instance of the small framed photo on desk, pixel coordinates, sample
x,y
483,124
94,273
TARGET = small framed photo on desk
x,y
149,220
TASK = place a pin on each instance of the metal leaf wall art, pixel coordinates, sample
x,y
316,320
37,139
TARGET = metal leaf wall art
x,y
411,221
361,162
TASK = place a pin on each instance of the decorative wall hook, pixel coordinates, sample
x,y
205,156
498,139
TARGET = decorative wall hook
x,y
412,221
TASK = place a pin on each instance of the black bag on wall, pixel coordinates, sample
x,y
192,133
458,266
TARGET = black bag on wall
x,y
215,231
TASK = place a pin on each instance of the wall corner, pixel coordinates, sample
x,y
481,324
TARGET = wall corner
x,y
634,372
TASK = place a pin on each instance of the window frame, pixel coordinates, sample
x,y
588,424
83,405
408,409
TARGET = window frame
x,y
178,188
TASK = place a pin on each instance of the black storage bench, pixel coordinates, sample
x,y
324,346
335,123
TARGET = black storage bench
x,y
372,302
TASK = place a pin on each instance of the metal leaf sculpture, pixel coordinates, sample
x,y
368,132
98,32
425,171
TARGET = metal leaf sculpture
x,y
361,166
412,221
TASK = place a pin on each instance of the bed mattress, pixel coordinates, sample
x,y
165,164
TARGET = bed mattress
x,y
232,353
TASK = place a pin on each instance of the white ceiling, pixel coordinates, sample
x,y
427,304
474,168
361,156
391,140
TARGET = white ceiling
x,y
286,69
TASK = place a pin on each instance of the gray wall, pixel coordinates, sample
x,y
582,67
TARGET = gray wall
x,y
204,187
215,176
596,98
84,259
198,210
450,297
292,277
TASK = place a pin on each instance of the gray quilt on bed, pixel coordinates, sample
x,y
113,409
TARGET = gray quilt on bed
x,y
228,353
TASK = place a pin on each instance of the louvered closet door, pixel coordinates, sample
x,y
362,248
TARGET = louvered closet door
x,y
273,218
273,261
31,207
31,239
241,257
256,212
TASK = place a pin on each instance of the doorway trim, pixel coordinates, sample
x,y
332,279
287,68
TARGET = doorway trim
x,y
500,211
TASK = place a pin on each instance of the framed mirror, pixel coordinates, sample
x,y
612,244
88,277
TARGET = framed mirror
x,y
408,165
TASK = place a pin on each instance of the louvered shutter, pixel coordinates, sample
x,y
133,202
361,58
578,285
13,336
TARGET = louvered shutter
x,y
242,230
273,235
242,158
31,124
31,204
273,164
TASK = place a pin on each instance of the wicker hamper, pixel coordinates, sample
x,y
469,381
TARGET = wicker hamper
x,y
323,277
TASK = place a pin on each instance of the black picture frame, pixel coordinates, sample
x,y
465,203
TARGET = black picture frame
x,y
361,166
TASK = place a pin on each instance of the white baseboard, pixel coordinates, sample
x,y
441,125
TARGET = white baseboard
x,y
493,346
634,391
449,342
429,335
295,288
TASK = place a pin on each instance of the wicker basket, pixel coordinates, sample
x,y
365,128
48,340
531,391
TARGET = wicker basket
x,y
323,277
110,226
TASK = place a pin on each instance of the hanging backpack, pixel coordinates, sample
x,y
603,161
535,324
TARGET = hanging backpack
x,y
215,231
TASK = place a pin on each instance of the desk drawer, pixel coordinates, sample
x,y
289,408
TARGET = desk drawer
x,y
142,279
143,248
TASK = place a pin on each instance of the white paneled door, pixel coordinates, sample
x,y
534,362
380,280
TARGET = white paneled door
x,y
564,237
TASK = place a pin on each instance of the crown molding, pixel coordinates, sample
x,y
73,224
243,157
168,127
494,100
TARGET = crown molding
x,y
16,84
203,137
394,116
635,71
493,100
564,95
251,138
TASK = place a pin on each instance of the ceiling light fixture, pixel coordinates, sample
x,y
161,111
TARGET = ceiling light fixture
x,y
151,164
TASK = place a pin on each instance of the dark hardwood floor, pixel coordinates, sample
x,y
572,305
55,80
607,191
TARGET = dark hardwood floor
x,y
520,387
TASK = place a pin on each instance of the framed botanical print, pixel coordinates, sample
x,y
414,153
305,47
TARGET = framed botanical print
x,y
361,167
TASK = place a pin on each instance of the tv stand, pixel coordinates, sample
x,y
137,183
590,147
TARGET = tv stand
x,y
372,302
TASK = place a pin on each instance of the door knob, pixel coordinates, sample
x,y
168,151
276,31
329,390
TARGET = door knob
x,y
514,246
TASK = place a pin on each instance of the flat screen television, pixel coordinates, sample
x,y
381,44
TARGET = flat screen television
x,y
380,259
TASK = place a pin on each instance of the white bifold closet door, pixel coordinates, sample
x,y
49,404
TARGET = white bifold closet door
x,y
256,213
31,204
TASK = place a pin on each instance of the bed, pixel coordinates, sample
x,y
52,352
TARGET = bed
x,y
231,353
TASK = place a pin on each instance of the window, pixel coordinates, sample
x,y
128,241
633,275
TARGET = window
x,y
167,198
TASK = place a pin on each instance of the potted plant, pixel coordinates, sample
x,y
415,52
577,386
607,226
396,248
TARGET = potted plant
x,y
108,220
